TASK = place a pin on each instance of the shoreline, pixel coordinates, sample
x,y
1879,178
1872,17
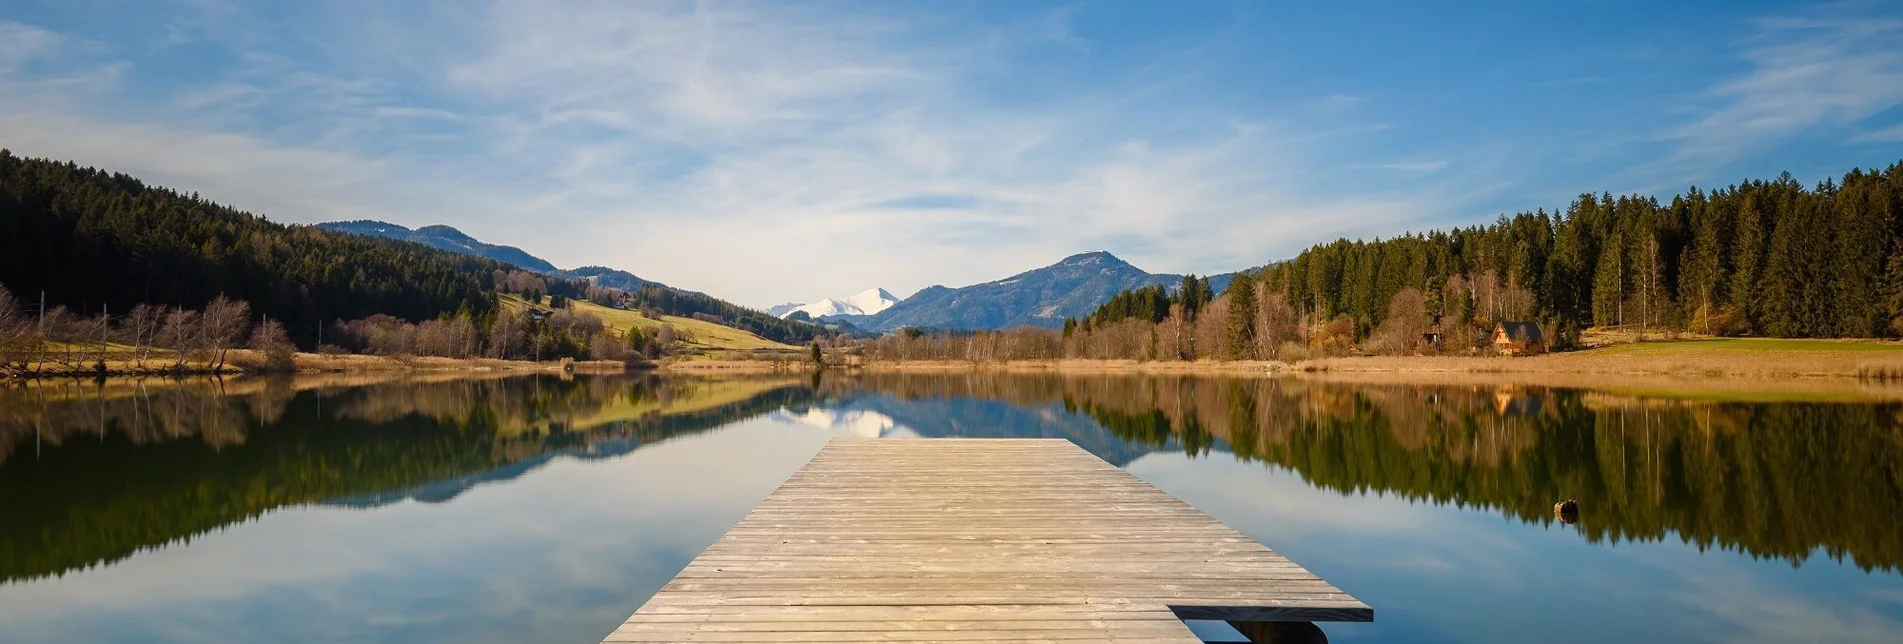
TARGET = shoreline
x,y
249,363
1764,370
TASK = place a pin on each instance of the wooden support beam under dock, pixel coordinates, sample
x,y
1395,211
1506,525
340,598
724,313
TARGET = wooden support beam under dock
x,y
976,540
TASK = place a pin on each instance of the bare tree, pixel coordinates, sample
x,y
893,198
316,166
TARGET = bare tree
x,y
1212,330
60,325
605,345
1406,320
1277,323
1172,336
180,334
270,339
16,334
140,329
507,335
224,325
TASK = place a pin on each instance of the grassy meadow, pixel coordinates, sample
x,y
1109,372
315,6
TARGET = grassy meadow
x,y
707,336
1713,358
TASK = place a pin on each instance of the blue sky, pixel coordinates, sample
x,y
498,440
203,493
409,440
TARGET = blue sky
x,y
772,152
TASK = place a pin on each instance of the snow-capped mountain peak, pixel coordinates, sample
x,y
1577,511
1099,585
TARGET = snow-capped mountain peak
x,y
869,302
872,301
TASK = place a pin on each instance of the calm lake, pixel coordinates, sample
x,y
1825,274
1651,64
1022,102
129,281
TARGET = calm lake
x,y
546,509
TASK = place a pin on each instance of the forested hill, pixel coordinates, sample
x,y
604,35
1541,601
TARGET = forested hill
x,y
643,293
1768,258
89,238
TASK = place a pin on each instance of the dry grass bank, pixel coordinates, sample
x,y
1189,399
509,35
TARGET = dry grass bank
x,y
322,363
243,361
1254,367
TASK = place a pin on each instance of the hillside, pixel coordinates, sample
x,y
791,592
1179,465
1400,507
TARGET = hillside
x,y
90,238
705,336
645,293
1042,297
448,238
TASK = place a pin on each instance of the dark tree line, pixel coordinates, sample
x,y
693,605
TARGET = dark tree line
x,y
1765,258
1150,303
92,240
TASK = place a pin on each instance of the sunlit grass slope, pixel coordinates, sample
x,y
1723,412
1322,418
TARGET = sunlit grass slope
x,y
706,335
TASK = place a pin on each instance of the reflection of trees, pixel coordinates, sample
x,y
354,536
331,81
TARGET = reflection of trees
x,y
1770,480
117,473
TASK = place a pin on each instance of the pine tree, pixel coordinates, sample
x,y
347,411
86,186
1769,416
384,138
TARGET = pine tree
x,y
1892,294
1608,285
1242,311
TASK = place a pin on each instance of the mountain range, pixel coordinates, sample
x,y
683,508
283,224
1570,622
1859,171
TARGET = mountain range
x,y
1041,297
450,239
870,302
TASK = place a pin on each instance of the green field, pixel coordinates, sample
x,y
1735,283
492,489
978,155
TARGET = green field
x,y
1737,345
706,335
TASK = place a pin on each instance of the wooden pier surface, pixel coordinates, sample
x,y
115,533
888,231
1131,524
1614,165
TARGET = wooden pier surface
x,y
975,540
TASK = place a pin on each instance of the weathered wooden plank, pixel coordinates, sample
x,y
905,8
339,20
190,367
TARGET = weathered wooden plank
x,y
975,540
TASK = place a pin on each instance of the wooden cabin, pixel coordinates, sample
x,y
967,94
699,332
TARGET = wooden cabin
x,y
1518,339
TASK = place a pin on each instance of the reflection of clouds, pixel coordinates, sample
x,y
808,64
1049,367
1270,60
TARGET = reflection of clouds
x,y
1892,595
1756,604
569,550
848,422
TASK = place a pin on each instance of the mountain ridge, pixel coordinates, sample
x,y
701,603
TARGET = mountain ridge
x,y
1041,297
661,297
442,237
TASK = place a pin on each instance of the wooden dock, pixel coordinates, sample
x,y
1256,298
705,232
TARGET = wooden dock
x,y
976,540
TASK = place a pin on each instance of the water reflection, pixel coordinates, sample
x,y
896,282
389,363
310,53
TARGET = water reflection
x,y
116,469
396,511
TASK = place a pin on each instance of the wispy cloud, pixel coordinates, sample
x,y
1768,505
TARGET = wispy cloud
x,y
20,43
1805,73
1890,134
1407,167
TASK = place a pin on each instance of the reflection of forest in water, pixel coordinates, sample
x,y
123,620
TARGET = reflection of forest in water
x,y
93,473
1773,480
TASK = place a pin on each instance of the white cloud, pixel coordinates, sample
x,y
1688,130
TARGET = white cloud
x,y
757,152
20,43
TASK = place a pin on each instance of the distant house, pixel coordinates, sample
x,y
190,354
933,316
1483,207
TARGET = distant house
x,y
1511,402
1518,339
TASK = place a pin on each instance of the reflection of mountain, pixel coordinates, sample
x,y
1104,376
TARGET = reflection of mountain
x,y
853,422
979,418
168,466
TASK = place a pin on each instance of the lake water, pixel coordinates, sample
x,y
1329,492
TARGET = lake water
x,y
547,509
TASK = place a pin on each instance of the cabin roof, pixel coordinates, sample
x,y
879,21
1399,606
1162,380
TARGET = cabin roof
x,y
1522,331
